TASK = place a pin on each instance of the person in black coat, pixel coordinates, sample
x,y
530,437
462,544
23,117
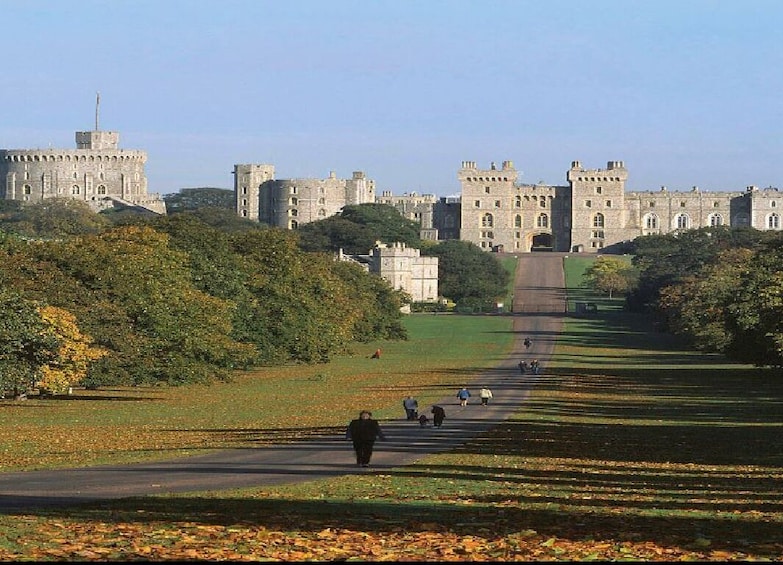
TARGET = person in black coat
x,y
438,415
363,431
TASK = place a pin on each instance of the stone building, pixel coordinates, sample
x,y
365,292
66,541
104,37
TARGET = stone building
x,y
97,172
288,203
594,212
403,267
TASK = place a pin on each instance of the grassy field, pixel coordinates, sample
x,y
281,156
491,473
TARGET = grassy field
x,y
629,448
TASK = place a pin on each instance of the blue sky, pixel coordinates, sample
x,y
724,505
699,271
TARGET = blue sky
x,y
686,92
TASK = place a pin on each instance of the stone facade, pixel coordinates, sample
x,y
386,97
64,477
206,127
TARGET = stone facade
x,y
404,268
291,202
592,213
97,172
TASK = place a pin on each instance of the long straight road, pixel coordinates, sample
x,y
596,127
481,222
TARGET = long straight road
x,y
539,304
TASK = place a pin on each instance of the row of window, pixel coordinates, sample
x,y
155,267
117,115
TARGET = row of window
x,y
542,202
68,158
650,222
75,189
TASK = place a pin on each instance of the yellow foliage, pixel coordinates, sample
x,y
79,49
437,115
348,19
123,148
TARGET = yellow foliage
x,y
74,355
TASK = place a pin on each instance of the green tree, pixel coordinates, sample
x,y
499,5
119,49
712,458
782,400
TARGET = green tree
x,y
610,275
188,199
467,275
27,344
755,320
357,229
699,306
54,218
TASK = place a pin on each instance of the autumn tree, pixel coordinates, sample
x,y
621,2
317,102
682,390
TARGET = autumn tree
x,y
75,351
26,344
610,275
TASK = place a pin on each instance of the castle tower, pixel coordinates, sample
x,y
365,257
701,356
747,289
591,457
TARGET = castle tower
x,y
247,188
488,200
97,172
598,211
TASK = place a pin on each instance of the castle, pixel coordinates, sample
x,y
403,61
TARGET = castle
x,y
592,213
97,172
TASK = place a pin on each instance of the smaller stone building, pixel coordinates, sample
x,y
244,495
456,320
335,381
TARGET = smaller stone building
x,y
404,268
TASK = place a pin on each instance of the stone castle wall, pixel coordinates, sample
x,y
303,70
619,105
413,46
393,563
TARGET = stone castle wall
x,y
592,213
97,172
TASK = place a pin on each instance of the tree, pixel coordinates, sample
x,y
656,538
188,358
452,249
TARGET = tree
x,y
26,344
74,354
610,274
357,228
699,307
468,275
54,218
188,199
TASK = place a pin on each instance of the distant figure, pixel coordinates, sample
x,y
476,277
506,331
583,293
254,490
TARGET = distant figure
x,y
363,432
463,396
527,343
411,406
522,367
424,421
535,366
438,415
376,355
485,394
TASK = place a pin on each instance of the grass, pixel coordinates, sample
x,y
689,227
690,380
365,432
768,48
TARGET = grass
x,y
629,448
268,405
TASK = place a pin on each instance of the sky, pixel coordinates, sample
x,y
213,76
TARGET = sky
x,y
685,92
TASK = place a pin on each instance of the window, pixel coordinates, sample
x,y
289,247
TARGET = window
x,y
773,221
542,221
682,221
101,189
599,190
517,221
651,204
518,202
293,212
542,203
487,221
28,189
682,203
598,234
716,220
598,221
293,224
75,189
608,203
486,190
477,203
651,222
588,203
497,203
294,201
773,204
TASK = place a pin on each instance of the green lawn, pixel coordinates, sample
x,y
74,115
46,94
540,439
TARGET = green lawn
x,y
629,448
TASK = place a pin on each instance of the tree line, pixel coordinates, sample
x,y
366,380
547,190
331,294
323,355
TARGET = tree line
x,y
123,298
721,288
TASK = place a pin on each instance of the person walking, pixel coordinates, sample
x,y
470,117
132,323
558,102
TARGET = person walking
x,y
527,343
485,394
535,366
363,431
522,367
438,415
411,406
463,396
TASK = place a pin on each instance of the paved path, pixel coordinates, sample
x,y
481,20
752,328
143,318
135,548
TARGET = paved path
x,y
539,303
